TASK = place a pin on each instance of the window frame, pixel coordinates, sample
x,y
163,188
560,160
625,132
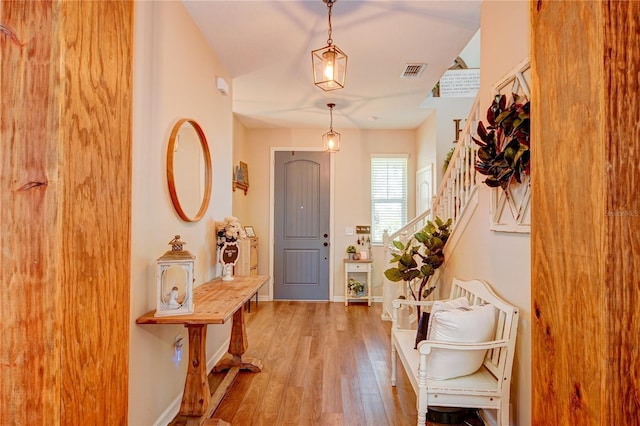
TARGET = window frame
x,y
376,201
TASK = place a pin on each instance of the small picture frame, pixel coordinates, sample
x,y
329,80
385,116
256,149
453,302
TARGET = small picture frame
x,y
241,177
249,231
242,173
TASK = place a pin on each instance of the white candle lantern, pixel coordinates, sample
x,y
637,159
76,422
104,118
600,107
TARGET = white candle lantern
x,y
174,281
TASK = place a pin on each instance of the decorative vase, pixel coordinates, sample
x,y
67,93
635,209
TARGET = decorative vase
x,y
227,275
228,257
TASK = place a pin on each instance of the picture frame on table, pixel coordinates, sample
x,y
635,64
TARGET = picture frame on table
x,y
249,231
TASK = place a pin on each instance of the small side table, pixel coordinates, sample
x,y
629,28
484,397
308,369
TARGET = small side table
x,y
357,266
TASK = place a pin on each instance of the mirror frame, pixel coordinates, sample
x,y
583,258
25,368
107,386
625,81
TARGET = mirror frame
x,y
207,173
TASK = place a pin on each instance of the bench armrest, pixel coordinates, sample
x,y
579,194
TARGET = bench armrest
x,y
399,302
425,346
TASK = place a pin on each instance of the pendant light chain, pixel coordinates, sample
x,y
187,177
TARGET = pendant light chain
x,y
331,114
330,5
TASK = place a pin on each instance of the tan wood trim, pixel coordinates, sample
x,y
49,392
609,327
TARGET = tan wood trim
x,y
586,212
66,84
29,214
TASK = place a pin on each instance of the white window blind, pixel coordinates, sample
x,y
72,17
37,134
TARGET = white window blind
x,y
388,195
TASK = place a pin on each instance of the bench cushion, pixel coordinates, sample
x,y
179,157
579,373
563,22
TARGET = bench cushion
x,y
470,324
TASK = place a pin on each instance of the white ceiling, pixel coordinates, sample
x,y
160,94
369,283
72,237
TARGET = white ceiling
x,y
266,47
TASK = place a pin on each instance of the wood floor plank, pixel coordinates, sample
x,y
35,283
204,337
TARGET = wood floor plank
x,y
291,406
352,402
324,364
374,410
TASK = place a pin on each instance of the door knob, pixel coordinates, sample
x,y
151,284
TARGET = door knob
x,y
326,235
325,244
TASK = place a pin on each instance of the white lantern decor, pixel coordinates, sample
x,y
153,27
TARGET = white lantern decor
x,y
174,281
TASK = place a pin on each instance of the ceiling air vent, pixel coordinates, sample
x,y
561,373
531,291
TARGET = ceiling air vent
x,y
412,70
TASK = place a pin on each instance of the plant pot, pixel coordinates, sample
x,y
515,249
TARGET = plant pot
x,y
350,256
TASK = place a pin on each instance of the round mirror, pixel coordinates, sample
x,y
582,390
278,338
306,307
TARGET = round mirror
x,y
189,170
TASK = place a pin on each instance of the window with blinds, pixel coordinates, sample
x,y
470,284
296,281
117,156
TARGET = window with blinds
x,y
388,195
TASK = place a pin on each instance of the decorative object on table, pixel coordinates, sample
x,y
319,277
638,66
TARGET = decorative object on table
x,y
174,281
356,288
364,241
351,251
228,232
504,151
329,62
241,177
416,263
228,257
248,230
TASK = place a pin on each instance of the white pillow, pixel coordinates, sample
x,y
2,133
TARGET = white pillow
x,y
440,305
470,324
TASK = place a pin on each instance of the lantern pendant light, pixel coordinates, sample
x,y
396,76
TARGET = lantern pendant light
x,y
329,63
331,139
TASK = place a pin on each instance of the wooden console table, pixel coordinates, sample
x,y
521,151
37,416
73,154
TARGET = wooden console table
x,y
214,303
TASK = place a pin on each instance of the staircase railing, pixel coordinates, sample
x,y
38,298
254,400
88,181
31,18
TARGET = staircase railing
x,y
455,195
459,182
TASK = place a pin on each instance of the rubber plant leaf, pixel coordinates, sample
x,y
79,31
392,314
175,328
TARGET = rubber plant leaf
x,y
393,275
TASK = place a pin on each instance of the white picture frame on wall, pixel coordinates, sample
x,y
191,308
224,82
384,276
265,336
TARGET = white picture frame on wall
x,y
510,207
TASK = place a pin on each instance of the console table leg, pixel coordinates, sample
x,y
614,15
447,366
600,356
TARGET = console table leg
x,y
237,347
238,344
197,395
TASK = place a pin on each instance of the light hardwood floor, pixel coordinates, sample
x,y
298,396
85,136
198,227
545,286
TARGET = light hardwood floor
x,y
324,364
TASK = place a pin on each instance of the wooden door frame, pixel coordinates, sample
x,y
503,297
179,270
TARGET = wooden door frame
x,y
272,174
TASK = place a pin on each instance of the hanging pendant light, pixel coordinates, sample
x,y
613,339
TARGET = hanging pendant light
x,y
329,63
331,139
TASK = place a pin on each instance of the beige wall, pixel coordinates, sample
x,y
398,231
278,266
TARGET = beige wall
x,y
172,81
502,259
437,133
351,204
174,77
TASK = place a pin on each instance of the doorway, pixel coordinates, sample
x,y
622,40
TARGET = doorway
x,y
301,225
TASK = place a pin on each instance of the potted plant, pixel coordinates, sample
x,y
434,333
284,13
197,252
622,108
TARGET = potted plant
x,y
356,288
351,251
417,260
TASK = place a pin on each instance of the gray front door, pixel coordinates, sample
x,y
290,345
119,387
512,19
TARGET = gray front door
x,y
301,226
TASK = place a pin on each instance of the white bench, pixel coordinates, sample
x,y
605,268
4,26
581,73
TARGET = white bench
x,y
486,388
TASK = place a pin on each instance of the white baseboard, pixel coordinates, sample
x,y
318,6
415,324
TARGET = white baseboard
x,y
174,408
374,299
